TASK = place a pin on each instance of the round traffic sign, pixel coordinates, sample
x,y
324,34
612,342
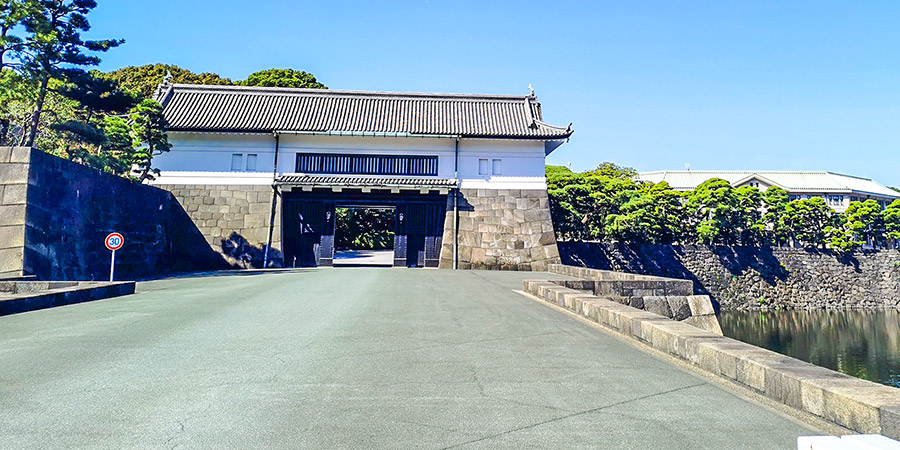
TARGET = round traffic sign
x,y
114,241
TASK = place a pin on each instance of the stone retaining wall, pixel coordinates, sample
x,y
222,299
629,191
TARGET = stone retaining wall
x,y
55,214
234,220
750,277
860,405
505,229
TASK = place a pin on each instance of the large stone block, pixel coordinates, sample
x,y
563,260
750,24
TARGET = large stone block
x,y
11,260
20,155
678,305
890,421
12,236
13,174
12,215
657,305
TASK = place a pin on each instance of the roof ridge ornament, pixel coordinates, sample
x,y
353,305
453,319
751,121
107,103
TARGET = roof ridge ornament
x,y
163,86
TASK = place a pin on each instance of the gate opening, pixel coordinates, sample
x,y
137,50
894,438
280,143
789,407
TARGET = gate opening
x,y
320,227
364,236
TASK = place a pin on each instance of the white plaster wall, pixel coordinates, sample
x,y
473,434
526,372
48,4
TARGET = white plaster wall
x,y
196,156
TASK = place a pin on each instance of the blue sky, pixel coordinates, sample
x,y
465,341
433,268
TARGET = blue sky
x,y
811,85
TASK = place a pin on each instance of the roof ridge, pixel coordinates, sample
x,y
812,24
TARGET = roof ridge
x,y
851,176
348,92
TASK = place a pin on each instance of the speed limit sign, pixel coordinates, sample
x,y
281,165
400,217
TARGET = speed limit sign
x,y
113,242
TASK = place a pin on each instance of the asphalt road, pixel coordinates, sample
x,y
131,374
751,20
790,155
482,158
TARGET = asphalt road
x,y
351,358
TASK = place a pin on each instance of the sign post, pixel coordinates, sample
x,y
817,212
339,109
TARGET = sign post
x,y
113,242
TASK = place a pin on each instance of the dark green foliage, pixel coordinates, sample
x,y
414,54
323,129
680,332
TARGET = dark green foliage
x,y
607,204
891,218
54,48
283,78
653,215
364,229
148,131
145,79
96,93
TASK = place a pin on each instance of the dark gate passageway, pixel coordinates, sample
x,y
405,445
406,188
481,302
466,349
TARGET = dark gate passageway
x,y
309,223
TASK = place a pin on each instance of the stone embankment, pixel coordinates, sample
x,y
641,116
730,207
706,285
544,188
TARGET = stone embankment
x,y
24,296
757,277
859,405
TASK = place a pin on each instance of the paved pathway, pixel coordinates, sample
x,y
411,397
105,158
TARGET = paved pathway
x,y
351,358
364,257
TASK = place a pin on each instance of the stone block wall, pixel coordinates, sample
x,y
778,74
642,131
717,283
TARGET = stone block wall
x,y
502,229
62,212
13,187
754,277
234,220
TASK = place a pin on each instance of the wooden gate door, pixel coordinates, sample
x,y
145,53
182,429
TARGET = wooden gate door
x,y
422,231
308,233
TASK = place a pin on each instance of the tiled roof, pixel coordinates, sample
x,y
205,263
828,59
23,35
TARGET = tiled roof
x,y
259,109
791,181
355,181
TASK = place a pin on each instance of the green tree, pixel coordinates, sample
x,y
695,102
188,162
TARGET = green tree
x,y
864,221
582,203
751,227
807,220
611,170
714,213
148,130
775,201
364,229
655,215
56,46
891,218
145,79
12,16
283,78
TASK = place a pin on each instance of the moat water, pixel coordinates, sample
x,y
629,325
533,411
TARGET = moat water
x,y
861,343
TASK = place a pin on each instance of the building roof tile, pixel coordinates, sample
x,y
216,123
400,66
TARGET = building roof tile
x,y
357,181
261,109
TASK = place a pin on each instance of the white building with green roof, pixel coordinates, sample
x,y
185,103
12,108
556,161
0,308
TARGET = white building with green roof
x,y
837,189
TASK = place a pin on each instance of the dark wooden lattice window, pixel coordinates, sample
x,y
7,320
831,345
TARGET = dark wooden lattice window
x,y
333,163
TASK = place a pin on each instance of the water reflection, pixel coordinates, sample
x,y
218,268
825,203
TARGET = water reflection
x,y
862,343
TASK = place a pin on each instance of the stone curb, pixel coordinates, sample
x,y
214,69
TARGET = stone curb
x,y
59,294
862,406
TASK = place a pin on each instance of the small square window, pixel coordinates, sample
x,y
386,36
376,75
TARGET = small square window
x,y
496,168
236,162
251,162
483,167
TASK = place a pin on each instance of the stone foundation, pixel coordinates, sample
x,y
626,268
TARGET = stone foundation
x,y
234,220
501,229
758,277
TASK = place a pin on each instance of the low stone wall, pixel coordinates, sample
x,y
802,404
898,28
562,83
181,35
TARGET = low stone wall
x,y
23,296
504,229
664,296
860,405
751,277
233,220
54,224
